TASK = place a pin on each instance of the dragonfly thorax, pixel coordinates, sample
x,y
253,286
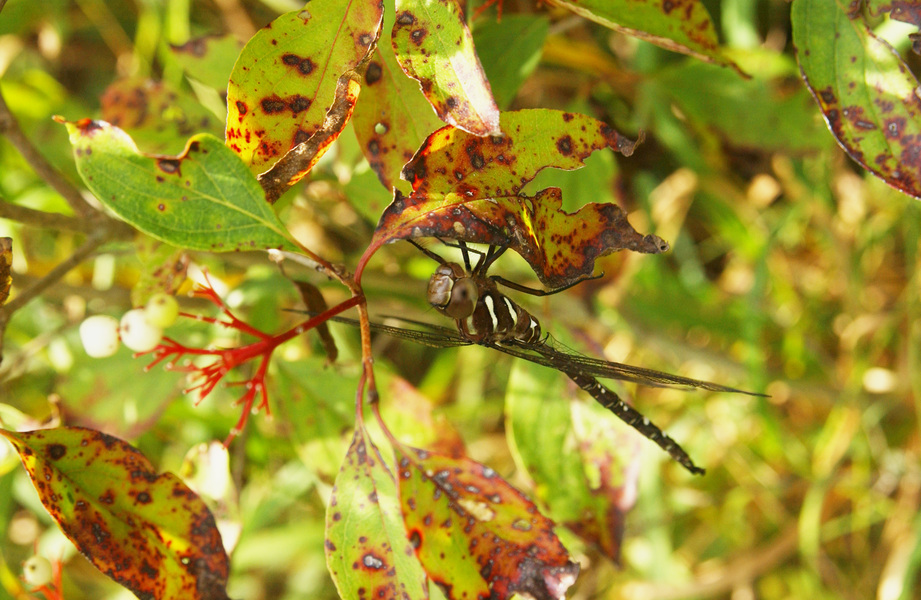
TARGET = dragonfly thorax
x,y
483,314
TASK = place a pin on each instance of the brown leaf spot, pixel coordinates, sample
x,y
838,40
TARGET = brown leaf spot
x,y
564,145
88,126
405,18
374,147
415,539
161,207
298,104
365,39
303,64
57,451
272,105
374,73
668,6
242,108
169,166
418,35
143,498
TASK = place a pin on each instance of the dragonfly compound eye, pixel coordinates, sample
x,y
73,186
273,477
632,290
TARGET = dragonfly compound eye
x,y
463,299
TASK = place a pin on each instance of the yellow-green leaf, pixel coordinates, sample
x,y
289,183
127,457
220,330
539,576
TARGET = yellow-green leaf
x,y
147,531
434,46
286,77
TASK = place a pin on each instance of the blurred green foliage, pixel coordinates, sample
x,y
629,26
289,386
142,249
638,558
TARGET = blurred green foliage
x,y
791,271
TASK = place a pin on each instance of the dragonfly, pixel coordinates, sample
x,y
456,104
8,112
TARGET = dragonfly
x,y
487,317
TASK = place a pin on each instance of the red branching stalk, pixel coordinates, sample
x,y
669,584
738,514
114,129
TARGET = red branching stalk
x,y
226,360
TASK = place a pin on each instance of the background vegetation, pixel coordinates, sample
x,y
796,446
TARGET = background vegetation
x,y
791,271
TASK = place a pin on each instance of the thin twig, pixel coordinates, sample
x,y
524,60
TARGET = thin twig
x,y
53,276
59,271
46,220
10,129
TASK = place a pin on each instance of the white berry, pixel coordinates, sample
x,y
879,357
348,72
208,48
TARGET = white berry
x,y
162,310
99,335
137,332
37,571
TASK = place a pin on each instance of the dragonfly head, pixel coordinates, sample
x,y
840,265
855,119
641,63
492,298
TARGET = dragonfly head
x,y
452,292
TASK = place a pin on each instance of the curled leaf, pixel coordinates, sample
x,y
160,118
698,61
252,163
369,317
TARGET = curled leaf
x,y
476,535
866,92
470,188
147,531
433,45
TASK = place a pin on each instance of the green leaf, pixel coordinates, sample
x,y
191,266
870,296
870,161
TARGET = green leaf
x,y
866,92
765,113
157,117
434,46
510,51
392,117
287,75
209,58
203,199
476,535
367,551
582,459
148,532
678,25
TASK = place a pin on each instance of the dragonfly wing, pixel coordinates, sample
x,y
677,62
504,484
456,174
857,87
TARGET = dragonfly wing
x,y
613,370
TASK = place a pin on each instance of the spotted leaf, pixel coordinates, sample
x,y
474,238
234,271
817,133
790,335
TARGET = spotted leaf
x,y
202,199
147,531
392,117
209,58
585,467
6,264
865,91
287,76
470,188
434,46
677,25
367,551
477,536
157,117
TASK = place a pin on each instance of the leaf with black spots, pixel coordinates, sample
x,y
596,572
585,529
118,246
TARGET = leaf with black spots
x,y
677,25
469,188
476,535
366,547
147,531
287,76
202,199
434,46
868,95
392,117
157,117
